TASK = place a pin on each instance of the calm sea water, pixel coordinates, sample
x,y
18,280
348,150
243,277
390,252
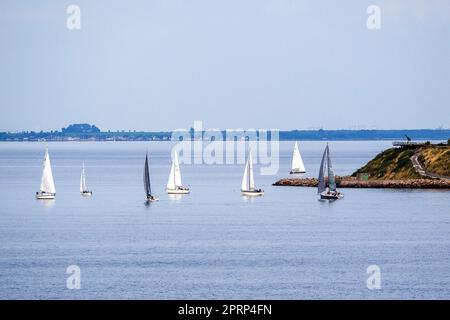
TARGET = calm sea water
x,y
213,243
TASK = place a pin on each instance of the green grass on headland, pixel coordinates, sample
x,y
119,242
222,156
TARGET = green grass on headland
x,y
391,164
395,163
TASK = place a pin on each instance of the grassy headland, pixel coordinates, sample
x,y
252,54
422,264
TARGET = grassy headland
x,y
395,163
436,160
391,164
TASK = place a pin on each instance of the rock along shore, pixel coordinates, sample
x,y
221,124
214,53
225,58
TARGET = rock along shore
x,y
350,182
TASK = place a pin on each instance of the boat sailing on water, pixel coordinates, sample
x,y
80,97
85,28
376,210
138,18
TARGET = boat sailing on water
x,y
248,182
174,185
297,162
83,190
47,190
147,186
327,188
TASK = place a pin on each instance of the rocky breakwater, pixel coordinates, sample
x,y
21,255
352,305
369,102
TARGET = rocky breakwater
x,y
351,182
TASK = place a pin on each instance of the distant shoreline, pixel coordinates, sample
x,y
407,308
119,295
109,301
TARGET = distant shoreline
x,y
206,141
86,132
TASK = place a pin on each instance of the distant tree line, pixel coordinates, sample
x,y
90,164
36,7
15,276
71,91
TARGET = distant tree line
x,y
91,132
417,134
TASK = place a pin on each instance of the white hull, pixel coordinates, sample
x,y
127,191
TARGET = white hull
x,y
331,195
152,199
45,196
252,193
86,193
178,191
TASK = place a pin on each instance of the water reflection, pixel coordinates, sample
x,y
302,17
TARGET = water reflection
x,y
175,197
248,198
47,203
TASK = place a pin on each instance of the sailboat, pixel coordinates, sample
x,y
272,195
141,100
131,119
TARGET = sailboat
x,y
327,189
174,185
83,190
248,182
147,187
297,162
47,190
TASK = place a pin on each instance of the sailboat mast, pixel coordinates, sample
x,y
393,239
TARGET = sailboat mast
x,y
175,164
248,171
82,179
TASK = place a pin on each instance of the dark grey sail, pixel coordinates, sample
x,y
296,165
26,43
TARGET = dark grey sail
x,y
321,187
147,187
331,179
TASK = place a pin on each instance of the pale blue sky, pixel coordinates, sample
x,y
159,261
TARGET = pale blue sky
x,y
287,64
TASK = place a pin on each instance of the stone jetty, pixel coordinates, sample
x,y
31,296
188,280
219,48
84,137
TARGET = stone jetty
x,y
351,182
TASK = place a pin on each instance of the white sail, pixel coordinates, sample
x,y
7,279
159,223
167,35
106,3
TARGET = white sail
x,y
47,183
248,182
177,171
297,162
250,170
175,174
171,181
245,184
83,180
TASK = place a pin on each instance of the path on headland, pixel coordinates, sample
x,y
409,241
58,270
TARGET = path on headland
x,y
421,171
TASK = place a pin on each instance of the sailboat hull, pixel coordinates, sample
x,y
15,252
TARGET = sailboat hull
x,y
86,193
252,193
331,196
297,171
152,198
178,191
45,196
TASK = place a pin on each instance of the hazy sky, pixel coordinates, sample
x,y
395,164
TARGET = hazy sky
x,y
161,64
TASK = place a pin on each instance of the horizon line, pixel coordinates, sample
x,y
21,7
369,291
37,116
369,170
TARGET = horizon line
x,y
237,128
